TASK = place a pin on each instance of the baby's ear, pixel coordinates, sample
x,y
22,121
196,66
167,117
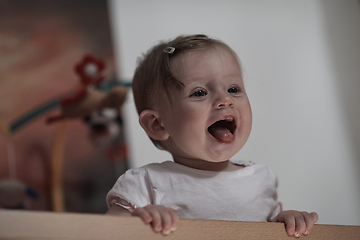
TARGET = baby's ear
x,y
151,123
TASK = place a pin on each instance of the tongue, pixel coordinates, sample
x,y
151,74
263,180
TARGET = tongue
x,y
221,133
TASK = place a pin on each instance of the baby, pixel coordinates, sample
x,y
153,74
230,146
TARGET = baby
x,y
192,102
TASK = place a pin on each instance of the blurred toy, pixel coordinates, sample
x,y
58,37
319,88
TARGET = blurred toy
x,y
87,98
100,109
92,100
15,194
90,96
87,102
105,127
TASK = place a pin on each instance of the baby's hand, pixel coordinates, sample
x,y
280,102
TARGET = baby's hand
x,y
297,223
162,219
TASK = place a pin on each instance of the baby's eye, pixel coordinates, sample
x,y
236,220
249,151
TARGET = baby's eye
x,y
199,93
234,90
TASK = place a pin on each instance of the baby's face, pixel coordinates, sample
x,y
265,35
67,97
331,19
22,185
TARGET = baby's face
x,y
210,119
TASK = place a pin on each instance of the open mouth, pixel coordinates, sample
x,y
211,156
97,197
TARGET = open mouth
x,y
223,130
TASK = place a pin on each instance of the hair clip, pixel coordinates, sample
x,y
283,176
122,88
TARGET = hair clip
x,y
169,50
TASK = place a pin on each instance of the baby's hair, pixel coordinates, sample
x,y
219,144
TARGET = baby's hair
x,y
153,79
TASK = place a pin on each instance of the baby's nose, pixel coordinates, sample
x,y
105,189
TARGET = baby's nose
x,y
223,101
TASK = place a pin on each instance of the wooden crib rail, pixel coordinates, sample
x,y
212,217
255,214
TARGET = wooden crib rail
x,y
31,225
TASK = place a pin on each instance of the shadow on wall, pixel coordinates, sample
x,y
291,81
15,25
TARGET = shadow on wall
x,y
343,44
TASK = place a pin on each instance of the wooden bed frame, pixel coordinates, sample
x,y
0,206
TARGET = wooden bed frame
x,y
30,225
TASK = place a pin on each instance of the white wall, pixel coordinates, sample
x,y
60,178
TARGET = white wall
x,y
302,72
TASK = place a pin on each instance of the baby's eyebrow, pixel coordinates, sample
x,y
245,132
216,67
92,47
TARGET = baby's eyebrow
x,y
234,75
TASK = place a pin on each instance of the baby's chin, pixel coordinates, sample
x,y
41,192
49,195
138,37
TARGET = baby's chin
x,y
224,152
209,156
219,159
223,157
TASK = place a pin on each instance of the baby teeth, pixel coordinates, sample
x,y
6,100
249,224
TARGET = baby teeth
x,y
228,119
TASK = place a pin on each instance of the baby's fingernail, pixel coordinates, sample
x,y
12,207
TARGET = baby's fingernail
x,y
297,234
166,232
306,232
173,229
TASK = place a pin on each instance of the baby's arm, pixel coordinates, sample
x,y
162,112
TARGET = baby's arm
x,y
162,219
297,223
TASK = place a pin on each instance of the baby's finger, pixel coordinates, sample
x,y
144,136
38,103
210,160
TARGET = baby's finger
x,y
156,222
289,221
308,221
166,220
300,224
174,218
143,214
314,216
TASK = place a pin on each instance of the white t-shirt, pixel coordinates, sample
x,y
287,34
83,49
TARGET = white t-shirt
x,y
247,194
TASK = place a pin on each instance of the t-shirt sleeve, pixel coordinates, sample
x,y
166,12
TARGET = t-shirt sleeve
x,y
131,190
